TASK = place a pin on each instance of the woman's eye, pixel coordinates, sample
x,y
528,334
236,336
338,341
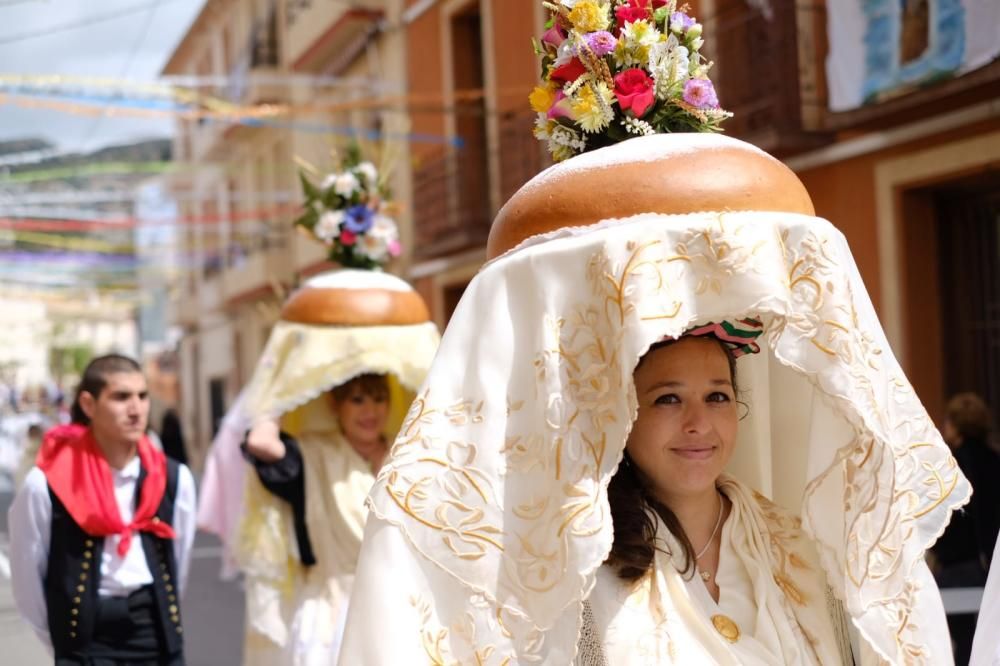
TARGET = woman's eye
x,y
668,399
718,396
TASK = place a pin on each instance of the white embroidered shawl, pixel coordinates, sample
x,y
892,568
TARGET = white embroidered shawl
x,y
491,519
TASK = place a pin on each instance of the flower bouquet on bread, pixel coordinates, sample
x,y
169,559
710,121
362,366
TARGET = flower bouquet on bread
x,y
612,69
349,211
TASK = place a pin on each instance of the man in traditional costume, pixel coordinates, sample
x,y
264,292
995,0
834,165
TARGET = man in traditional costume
x,y
101,531
595,356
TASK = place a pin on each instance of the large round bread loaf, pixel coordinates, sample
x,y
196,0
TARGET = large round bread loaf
x,y
355,298
662,173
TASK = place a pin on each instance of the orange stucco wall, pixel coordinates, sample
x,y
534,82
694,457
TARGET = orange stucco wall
x,y
517,67
845,194
425,76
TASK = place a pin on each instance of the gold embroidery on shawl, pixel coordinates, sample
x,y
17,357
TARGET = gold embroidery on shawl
x,y
449,500
784,531
435,640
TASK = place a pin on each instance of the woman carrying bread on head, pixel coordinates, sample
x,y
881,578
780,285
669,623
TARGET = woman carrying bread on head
x,y
664,425
340,369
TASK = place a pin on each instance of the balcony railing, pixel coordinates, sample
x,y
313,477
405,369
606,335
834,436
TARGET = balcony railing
x,y
451,188
261,51
762,75
521,154
450,205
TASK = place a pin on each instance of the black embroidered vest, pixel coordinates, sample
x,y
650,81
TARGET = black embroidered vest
x,y
74,576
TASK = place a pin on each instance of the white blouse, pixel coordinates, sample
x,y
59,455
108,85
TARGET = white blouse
x,y
736,601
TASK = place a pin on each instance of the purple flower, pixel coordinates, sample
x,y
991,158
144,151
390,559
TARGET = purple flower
x,y
601,42
358,219
700,93
680,22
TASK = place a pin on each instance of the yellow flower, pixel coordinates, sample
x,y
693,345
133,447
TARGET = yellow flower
x,y
591,107
589,16
541,99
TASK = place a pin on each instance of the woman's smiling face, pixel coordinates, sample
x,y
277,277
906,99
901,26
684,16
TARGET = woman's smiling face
x,y
686,428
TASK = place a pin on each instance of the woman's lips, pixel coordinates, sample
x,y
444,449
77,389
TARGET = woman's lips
x,y
695,453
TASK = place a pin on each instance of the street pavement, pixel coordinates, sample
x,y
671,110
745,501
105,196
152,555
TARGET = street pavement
x,y
212,609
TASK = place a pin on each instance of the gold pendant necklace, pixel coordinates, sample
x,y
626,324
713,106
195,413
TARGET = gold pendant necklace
x,y
705,575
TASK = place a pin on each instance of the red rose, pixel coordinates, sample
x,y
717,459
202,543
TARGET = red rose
x,y
635,10
634,90
347,239
569,72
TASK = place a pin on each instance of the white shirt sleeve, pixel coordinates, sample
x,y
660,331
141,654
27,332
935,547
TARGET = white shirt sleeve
x,y
184,522
30,527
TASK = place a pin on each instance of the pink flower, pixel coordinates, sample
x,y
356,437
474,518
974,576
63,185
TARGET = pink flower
x,y
394,248
347,238
560,107
700,93
601,43
554,36
634,90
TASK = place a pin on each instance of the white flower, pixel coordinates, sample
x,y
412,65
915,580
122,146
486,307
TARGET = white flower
x,y
640,33
328,181
669,64
345,184
374,247
565,52
327,229
543,127
384,227
370,173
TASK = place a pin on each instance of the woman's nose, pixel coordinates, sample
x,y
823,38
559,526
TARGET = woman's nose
x,y
696,419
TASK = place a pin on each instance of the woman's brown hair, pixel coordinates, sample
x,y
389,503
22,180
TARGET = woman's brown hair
x,y
633,508
371,385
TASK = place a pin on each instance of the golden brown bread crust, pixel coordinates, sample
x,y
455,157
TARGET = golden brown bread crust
x,y
355,307
714,178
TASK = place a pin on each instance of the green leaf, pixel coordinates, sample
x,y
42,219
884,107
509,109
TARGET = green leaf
x,y
312,192
353,156
308,219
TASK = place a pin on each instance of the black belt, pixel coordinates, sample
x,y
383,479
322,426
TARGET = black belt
x,y
127,632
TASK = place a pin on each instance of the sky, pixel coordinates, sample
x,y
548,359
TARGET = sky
x,y
134,45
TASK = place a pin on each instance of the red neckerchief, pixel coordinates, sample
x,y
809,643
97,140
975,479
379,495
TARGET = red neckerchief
x,y
80,477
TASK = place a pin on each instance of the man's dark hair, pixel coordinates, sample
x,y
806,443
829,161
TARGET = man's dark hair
x,y
95,378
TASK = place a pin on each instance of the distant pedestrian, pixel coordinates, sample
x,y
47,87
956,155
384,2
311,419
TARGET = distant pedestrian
x,y
101,531
962,554
29,451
